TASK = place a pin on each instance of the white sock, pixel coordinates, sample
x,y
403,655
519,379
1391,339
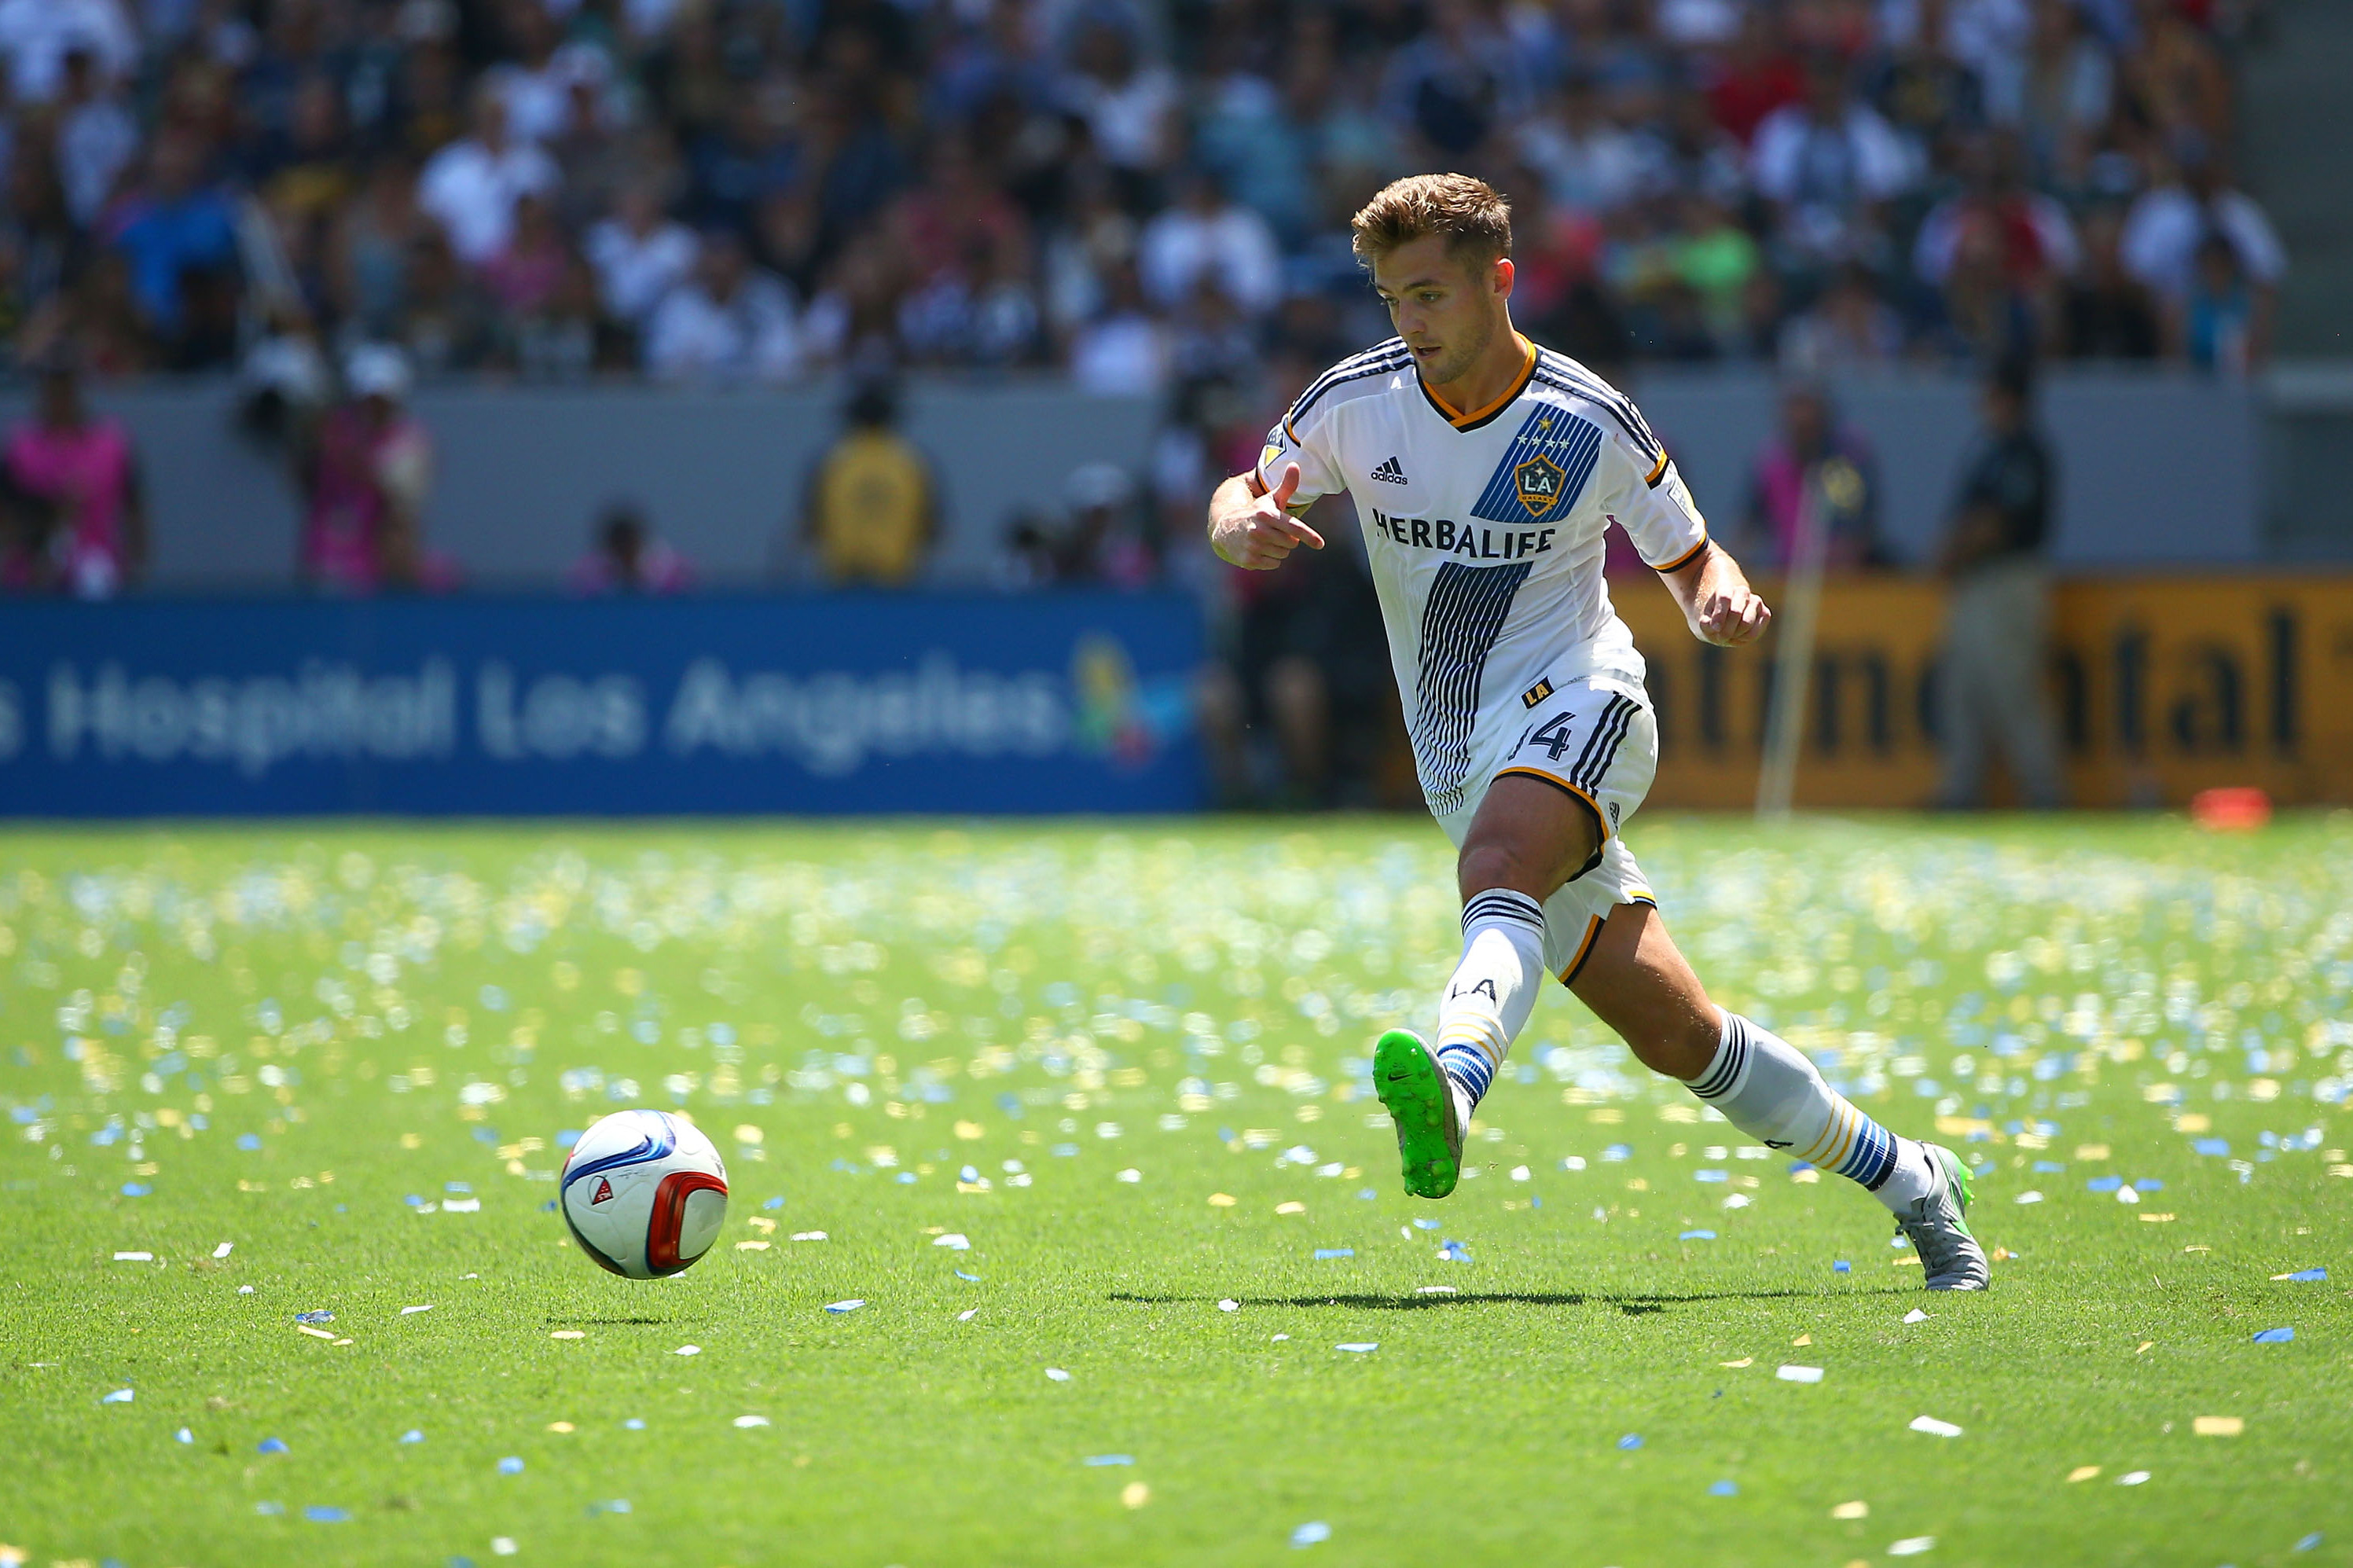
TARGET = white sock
x,y
1494,990
1768,1089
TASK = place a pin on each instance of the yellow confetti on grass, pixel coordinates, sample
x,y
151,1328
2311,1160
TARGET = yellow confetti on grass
x,y
1856,1509
559,1426
1803,1339
1136,1494
750,1246
2218,1425
2145,1347
315,1333
2157,1219
1743,1361
2083,1473
1293,1207
567,1334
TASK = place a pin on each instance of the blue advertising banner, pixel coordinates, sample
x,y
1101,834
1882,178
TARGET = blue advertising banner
x,y
849,703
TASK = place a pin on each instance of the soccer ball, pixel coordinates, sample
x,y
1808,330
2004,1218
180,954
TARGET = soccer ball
x,y
644,1193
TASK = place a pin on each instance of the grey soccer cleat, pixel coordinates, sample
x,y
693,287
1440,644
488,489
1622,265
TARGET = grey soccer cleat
x,y
1937,1226
1420,1101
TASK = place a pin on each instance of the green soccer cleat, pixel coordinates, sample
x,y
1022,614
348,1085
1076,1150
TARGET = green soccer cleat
x,y
1420,1101
1938,1227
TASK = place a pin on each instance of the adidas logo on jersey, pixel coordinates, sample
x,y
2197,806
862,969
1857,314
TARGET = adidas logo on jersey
x,y
1390,472
604,1192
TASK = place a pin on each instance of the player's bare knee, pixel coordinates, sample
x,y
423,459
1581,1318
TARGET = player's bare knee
x,y
1486,864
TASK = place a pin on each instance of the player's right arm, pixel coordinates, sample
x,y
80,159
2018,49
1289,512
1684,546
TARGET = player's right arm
x,y
1251,526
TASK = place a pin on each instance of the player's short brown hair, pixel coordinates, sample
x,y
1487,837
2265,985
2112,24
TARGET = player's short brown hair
x,y
1471,214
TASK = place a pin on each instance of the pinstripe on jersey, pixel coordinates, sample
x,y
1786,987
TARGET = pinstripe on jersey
x,y
1544,470
1381,359
1601,745
1465,612
1559,371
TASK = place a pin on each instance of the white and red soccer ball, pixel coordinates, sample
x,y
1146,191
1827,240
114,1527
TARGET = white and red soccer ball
x,y
644,1193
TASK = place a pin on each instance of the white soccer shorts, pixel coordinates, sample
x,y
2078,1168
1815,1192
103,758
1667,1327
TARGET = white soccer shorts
x,y
1596,739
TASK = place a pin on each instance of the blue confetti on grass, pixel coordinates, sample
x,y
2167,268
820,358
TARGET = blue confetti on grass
x,y
248,1141
1696,1235
635,1424
2307,1543
1313,1532
1099,1461
2149,1184
2211,1146
319,1513
2104,1183
2309,1276
774,1203
2274,1336
960,1274
1425,1224
1328,1252
2048,1167
1841,1267
136,1190
270,1445
1724,1489
1631,1440
1453,1252
120,1396
321,1316
412,1435
511,1466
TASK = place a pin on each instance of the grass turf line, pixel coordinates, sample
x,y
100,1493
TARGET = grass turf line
x,y
1082,970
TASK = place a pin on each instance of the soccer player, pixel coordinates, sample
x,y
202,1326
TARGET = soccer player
x,y
1484,469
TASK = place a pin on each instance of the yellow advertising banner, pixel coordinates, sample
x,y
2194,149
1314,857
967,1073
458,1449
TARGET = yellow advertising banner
x,y
2162,686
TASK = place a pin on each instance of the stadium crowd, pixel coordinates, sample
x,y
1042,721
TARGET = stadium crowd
x,y
1147,192
335,199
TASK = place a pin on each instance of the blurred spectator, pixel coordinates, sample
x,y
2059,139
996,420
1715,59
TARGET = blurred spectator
x,y
1129,108
1124,352
1847,327
1206,236
873,515
1825,163
2110,312
38,36
1816,460
81,519
470,186
626,557
2215,326
1998,253
1997,612
97,137
1106,540
2170,221
639,254
730,321
179,234
365,476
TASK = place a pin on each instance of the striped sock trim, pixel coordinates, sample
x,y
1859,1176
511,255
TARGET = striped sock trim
x,y
1873,1160
1467,1064
1731,1057
1502,905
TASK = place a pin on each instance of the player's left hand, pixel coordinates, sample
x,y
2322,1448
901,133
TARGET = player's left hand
x,y
1731,616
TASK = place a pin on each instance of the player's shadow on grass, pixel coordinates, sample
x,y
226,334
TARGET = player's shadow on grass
x,y
1633,1306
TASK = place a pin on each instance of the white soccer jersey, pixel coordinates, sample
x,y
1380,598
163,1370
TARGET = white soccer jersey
x,y
1484,530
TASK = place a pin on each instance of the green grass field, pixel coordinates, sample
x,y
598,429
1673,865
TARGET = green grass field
x,y
1127,1063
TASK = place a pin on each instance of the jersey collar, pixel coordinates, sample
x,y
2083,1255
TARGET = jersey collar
x,y
1478,417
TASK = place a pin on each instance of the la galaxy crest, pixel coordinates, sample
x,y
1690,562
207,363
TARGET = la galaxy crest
x,y
1542,471
1541,483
